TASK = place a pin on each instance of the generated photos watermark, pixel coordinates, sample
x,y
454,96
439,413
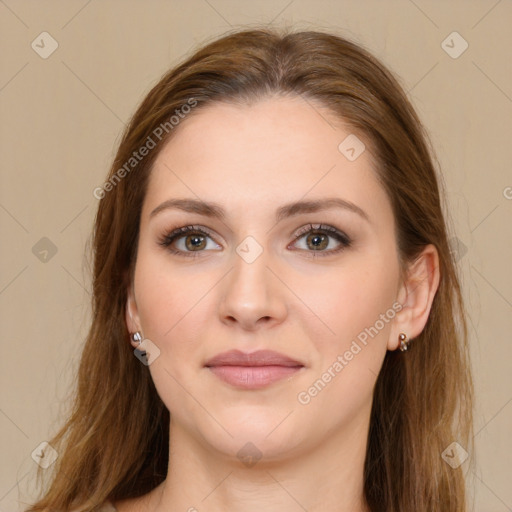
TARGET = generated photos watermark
x,y
304,397
158,133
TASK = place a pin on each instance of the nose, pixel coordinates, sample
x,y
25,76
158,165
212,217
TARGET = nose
x,y
252,295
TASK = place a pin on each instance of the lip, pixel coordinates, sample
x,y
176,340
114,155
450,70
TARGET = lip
x,y
258,358
252,371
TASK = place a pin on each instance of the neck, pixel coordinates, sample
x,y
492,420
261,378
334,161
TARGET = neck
x,y
329,478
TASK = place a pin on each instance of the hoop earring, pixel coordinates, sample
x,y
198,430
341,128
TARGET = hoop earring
x,y
404,341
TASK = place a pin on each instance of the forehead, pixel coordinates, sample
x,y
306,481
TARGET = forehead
x,y
263,155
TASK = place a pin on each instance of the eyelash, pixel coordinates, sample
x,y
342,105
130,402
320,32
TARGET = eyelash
x,y
178,233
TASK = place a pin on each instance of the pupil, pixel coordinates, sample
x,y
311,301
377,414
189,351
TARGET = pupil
x,y
317,240
195,241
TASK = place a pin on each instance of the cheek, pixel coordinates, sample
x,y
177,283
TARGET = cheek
x,y
172,307
348,301
351,350
168,311
164,295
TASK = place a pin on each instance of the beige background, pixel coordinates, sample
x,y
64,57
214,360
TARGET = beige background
x,y
61,120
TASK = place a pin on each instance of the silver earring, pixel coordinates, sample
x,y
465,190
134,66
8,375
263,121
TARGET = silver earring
x,y
404,341
136,336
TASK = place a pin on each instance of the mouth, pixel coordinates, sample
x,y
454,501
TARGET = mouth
x,y
253,371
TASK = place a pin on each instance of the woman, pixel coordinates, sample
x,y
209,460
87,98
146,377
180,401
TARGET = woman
x,y
277,318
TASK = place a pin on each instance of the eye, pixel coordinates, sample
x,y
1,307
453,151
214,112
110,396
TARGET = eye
x,y
194,239
318,236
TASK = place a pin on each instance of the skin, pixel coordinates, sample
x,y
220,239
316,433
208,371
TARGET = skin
x,y
252,159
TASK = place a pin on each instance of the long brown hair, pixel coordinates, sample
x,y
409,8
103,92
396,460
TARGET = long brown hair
x,y
114,444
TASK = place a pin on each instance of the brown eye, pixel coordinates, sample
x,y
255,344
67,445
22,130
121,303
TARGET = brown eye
x,y
317,239
195,241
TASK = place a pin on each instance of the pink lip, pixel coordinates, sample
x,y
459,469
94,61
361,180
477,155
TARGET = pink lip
x,y
252,371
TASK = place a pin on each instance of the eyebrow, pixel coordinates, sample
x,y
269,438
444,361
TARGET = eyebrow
x,y
214,210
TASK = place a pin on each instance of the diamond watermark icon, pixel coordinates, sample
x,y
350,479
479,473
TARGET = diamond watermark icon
x,y
147,352
44,455
44,45
454,455
457,248
249,454
454,45
351,147
44,250
249,249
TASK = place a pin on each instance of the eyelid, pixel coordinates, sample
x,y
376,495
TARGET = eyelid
x,y
318,227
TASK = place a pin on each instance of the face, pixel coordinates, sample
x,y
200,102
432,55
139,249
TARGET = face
x,y
315,285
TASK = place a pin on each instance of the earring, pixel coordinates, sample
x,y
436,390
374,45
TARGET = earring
x,y
137,337
404,341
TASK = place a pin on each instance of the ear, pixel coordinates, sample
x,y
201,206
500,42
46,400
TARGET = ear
x,y
132,315
416,296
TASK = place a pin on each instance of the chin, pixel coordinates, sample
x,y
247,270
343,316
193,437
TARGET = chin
x,y
265,438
